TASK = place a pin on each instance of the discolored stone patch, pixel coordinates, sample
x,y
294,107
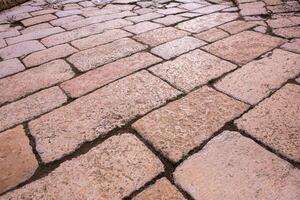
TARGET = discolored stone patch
x,y
244,47
111,170
276,121
234,167
183,125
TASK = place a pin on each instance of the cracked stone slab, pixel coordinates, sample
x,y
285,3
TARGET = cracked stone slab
x,y
111,170
276,121
232,166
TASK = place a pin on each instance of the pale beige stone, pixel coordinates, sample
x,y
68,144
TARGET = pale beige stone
x,y
276,121
232,166
253,8
111,170
212,35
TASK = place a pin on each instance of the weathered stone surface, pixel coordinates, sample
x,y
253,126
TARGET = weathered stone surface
x,y
253,8
20,49
161,35
38,19
210,9
34,79
101,76
18,163
65,13
206,22
170,11
281,21
145,17
293,45
111,170
237,26
161,190
259,78
289,32
65,20
37,27
244,47
212,35
192,69
98,113
234,167
289,6
191,6
142,27
92,58
30,107
103,38
9,67
276,121
170,20
177,47
180,126
11,32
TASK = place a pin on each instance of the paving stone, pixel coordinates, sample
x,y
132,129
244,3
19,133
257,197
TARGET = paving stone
x,y
99,39
191,6
159,36
298,79
9,33
272,2
101,76
284,21
9,67
210,9
192,69
231,157
206,22
142,27
180,126
38,19
2,43
243,47
92,58
261,29
68,36
177,47
212,35
34,35
111,170
291,6
290,32
170,20
293,45
18,163
161,190
20,49
43,12
237,26
145,17
66,20
274,116
37,27
253,8
30,107
40,57
97,113
170,11
86,4
65,13
258,79
34,79
189,14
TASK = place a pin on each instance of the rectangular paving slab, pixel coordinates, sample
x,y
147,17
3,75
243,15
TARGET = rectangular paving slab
x,y
111,170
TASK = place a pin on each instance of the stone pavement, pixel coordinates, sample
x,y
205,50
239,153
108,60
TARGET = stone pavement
x,y
150,100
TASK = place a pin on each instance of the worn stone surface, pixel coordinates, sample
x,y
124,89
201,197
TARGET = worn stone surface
x,y
9,67
111,170
293,45
142,27
170,20
281,21
161,190
145,17
65,20
37,27
222,165
18,162
274,116
244,47
98,113
34,79
253,8
192,69
237,26
212,35
259,78
38,19
289,32
183,125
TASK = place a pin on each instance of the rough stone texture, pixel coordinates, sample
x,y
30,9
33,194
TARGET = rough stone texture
x,y
111,170
159,36
210,9
212,35
259,78
40,57
65,20
38,19
30,107
161,190
101,76
206,22
237,26
37,27
92,58
142,27
20,49
145,17
234,167
293,45
9,67
18,163
34,79
253,8
170,20
177,47
183,125
244,47
192,69
99,39
98,113
290,32
170,11
281,21
276,121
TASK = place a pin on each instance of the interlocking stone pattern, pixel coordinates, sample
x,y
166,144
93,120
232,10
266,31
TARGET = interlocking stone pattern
x,y
150,100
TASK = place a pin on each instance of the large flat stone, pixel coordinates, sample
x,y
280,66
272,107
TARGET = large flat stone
x,y
9,67
276,122
111,170
244,47
142,27
234,167
96,114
